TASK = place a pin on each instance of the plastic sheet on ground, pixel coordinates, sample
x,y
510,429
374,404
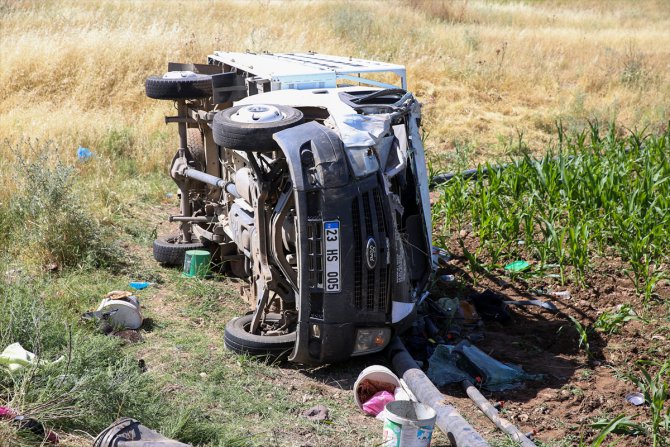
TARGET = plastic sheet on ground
x,y
16,358
464,361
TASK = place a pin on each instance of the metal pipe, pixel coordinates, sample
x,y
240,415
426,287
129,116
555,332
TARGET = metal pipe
x,y
204,178
185,205
457,429
212,180
199,219
491,412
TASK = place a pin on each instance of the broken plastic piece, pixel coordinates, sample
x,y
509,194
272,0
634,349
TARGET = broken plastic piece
x,y
539,303
517,266
561,294
636,399
440,257
139,285
447,279
123,309
83,153
15,358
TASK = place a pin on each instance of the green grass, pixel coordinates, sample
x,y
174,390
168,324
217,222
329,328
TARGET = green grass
x,y
595,195
98,230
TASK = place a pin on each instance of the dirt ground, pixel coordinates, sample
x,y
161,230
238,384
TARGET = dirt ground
x,y
578,390
558,410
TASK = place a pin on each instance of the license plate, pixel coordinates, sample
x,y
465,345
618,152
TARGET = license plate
x,y
331,232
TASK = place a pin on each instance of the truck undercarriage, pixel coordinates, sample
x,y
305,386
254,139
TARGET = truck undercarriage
x,y
314,191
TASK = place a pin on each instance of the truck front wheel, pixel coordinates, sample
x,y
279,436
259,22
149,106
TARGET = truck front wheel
x,y
238,339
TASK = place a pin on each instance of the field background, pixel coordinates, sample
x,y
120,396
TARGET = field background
x,y
72,74
485,71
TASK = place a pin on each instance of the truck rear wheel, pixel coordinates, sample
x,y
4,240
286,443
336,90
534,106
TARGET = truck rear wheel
x,y
169,251
250,127
238,339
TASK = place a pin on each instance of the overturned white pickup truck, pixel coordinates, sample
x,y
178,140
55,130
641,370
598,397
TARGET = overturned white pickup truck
x,y
303,174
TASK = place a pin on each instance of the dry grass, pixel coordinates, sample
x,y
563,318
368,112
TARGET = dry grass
x,y
73,71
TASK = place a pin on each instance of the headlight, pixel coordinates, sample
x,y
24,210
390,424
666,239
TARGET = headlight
x,y
370,340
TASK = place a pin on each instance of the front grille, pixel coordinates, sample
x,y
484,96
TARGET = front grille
x,y
358,253
314,253
373,294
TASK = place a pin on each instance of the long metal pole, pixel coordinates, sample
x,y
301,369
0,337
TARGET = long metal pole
x,y
449,420
491,412
185,205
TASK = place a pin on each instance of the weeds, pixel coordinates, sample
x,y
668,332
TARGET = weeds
x,y
620,425
90,387
46,221
583,332
612,322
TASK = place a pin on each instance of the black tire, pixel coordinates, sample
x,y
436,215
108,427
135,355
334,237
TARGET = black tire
x,y
238,339
192,87
168,251
251,136
196,147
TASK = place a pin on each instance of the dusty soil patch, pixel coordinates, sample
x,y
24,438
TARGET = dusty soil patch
x,y
578,390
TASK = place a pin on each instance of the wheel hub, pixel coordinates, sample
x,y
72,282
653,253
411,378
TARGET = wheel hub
x,y
257,113
179,75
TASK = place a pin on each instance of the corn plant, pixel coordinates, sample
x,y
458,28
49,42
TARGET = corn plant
x,y
619,424
594,193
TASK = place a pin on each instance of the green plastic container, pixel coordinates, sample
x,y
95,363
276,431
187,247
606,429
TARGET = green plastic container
x,y
196,263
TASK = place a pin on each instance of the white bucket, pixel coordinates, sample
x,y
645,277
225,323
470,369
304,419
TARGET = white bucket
x,y
408,424
375,373
126,311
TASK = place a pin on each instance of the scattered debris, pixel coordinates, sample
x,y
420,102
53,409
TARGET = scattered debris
x,y
372,380
454,364
539,303
129,432
517,266
636,399
469,313
317,413
120,310
441,257
83,154
139,285
26,423
15,358
446,279
408,424
565,294
377,402
491,306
